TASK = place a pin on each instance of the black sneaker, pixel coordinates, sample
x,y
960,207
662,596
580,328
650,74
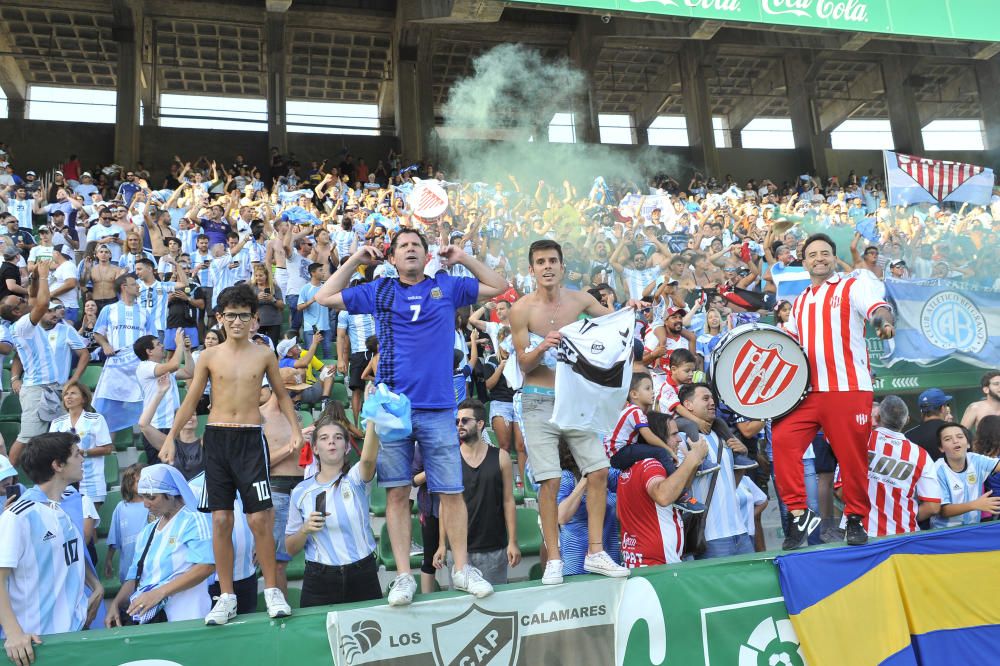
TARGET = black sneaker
x,y
742,462
856,534
799,529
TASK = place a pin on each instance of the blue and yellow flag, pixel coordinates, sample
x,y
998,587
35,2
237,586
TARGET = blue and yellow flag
x,y
922,600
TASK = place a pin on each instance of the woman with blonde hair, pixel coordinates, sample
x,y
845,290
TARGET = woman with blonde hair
x,y
270,303
95,439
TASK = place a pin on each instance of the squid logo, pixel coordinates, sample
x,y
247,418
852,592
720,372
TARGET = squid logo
x,y
639,602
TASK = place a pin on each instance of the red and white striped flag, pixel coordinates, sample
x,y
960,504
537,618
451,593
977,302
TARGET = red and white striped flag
x,y
912,179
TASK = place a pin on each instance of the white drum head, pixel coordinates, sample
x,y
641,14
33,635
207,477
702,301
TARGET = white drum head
x,y
759,371
428,200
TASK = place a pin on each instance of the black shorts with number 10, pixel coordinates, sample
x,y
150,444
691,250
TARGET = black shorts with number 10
x,y
236,461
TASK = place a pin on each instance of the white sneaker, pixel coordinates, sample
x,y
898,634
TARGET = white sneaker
x,y
276,604
470,579
553,573
401,590
601,563
223,611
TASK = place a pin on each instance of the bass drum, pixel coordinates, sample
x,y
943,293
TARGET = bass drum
x,y
759,371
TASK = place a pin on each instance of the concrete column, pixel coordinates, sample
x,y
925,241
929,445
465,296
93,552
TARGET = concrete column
x,y
900,97
16,108
698,111
414,99
810,141
277,82
127,33
988,79
584,54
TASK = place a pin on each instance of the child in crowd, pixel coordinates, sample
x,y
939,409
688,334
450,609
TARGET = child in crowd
x,y
962,475
128,519
681,371
460,376
623,445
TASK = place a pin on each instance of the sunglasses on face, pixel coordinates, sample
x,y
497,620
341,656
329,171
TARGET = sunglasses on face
x,y
465,420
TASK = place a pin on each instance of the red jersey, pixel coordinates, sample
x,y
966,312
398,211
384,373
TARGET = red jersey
x,y
626,430
829,323
666,398
651,534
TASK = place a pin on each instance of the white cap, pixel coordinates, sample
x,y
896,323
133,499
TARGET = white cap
x,y
6,469
285,346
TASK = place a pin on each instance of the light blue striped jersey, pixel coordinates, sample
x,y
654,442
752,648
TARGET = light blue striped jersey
x,y
573,534
92,430
359,328
222,276
189,240
127,260
243,544
45,551
348,535
45,354
344,239
962,487
153,300
204,275
165,411
184,541
724,518
244,263
123,324
126,523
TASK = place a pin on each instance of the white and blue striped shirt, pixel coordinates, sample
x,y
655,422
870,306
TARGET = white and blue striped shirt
x,y
45,551
243,544
45,354
348,535
92,430
188,239
359,328
962,487
127,261
205,274
153,299
145,373
123,324
724,518
222,275
343,240
126,523
184,541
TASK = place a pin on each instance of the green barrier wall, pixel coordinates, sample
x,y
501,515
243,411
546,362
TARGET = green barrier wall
x,y
700,613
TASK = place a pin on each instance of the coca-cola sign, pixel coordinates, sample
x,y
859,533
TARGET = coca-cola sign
x,y
838,10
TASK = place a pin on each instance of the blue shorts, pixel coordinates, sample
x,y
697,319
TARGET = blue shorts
x,y
168,338
435,432
504,410
280,502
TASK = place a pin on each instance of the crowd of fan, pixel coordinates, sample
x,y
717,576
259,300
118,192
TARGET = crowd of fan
x,y
704,256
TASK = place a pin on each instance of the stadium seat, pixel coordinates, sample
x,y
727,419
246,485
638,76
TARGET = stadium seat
x,y
536,571
91,375
384,549
111,584
111,469
10,408
297,567
376,501
339,393
123,439
529,536
143,458
305,418
5,379
9,430
106,511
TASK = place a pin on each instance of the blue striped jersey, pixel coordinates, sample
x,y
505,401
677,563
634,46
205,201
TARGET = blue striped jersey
x,y
222,276
256,251
344,239
45,551
962,487
348,535
92,430
127,522
153,300
724,518
189,241
243,544
205,274
184,541
573,535
359,328
128,259
123,324
165,411
45,354
244,263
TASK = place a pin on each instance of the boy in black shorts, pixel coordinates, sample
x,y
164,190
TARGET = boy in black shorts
x,y
235,451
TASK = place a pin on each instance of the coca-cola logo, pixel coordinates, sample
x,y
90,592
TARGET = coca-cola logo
x,y
720,5
854,11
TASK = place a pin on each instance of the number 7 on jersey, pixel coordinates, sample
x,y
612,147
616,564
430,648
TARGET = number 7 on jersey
x,y
416,311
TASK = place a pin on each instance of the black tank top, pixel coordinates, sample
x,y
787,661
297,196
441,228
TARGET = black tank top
x,y
484,500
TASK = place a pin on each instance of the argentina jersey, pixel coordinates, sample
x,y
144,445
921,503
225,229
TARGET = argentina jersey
x,y
724,519
348,534
153,299
962,487
45,354
92,430
46,555
359,328
123,324
415,325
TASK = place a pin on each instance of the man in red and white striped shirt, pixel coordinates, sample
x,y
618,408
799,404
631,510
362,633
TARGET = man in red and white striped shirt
x,y
902,485
828,319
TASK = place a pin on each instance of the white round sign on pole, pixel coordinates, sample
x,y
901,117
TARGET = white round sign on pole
x,y
428,200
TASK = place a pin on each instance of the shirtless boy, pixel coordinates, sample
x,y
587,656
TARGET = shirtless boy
x,y
535,321
235,450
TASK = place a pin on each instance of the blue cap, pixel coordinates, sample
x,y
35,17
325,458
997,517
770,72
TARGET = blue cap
x,y
933,399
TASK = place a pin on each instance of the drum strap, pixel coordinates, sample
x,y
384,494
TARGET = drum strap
x,y
711,486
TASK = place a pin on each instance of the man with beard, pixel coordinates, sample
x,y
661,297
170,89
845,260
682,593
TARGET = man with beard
x,y
487,477
535,322
669,335
414,322
989,405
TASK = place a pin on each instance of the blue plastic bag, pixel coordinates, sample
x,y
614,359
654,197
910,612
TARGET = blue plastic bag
x,y
390,412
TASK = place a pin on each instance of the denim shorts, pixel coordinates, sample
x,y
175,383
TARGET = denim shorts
x,y
504,410
280,502
435,432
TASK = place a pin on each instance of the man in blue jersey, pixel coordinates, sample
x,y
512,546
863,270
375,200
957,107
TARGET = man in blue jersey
x,y
43,568
45,346
415,324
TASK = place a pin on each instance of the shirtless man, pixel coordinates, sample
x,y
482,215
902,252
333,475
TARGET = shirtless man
x,y
275,256
535,321
989,405
235,451
285,473
102,278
